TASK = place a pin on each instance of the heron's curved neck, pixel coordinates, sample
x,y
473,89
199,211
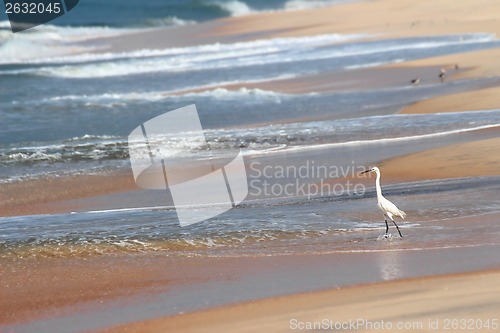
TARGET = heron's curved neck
x,y
377,185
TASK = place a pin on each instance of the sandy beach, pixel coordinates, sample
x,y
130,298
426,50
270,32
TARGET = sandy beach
x,y
153,284
388,17
428,284
483,99
429,304
451,161
380,18
48,196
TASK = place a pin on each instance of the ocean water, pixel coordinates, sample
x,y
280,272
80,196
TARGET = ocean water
x,y
119,14
159,13
68,111
326,224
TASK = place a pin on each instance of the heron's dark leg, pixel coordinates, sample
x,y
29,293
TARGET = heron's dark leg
x,y
386,226
397,228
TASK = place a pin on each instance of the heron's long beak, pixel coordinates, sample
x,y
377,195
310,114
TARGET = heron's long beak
x,y
365,172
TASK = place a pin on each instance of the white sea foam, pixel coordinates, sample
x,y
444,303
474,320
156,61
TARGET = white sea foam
x,y
207,51
260,140
388,140
181,59
166,21
235,8
238,8
222,93
36,156
19,50
218,93
375,64
48,41
212,89
235,55
308,4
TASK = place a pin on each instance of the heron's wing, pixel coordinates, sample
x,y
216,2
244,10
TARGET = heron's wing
x,y
389,207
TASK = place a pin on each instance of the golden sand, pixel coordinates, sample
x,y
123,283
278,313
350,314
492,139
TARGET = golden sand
x,y
476,64
388,18
47,196
482,99
471,159
417,302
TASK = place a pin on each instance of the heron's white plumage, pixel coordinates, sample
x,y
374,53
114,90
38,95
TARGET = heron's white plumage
x,y
389,208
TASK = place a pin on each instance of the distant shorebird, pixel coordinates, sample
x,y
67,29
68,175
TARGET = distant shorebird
x,y
442,73
388,208
415,81
456,67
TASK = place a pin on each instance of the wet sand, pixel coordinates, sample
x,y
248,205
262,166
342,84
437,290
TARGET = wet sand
x,y
423,305
482,99
382,18
388,18
31,289
471,65
453,161
88,289
355,79
49,196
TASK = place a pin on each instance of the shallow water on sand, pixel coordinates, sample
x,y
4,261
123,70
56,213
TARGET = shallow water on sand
x,y
440,214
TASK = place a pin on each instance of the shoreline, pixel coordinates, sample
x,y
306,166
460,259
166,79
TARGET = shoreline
x,y
478,291
380,19
383,17
148,285
480,99
59,195
454,161
472,156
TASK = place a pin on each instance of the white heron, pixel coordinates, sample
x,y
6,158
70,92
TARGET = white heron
x,y
442,73
388,208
